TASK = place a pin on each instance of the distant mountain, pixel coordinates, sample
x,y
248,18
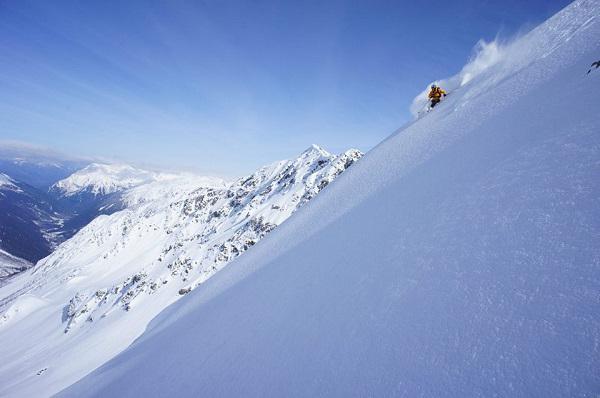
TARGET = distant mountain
x,y
97,189
104,179
34,220
46,197
110,279
37,167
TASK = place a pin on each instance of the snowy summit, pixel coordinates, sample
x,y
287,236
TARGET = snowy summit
x,y
104,179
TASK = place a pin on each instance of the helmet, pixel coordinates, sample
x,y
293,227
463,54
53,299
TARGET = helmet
x,y
433,86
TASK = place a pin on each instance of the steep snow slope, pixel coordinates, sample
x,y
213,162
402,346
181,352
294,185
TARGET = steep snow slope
x,y
97,292
458,258
104,179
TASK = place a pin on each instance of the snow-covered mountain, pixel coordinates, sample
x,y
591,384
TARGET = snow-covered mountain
x,y
105,179
102,287
98,189
34,221
459,258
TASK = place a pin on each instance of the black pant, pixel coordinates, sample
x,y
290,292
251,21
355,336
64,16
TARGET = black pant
x,y
435,101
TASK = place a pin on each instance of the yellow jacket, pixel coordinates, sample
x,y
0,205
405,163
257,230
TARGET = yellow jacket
x,y
436,93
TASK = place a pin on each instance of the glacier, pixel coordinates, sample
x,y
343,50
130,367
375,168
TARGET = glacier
x,y
460,257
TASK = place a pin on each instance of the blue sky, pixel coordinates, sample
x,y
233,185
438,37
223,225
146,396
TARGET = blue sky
x,y
226,86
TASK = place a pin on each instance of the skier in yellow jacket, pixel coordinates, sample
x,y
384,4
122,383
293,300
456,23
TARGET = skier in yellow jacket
x,y
436,94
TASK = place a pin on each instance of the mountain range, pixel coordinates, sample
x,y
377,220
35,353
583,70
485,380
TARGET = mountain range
x,y
172,233
45,198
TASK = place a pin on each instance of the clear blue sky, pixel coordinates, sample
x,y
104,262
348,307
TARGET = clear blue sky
x,y
226,86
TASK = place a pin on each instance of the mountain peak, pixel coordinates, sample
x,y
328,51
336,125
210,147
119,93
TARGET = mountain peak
x,y
103,179
315,149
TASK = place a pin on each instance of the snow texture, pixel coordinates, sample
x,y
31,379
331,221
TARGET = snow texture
x,y
458,258
97,292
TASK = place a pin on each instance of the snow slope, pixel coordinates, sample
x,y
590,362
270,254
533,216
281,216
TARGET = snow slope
x,y
96,292
459,258
104,179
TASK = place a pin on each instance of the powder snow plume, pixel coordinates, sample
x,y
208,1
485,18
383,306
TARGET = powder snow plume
x,y
484,55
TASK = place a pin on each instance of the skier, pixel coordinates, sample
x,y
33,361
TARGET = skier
x,y
435,95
